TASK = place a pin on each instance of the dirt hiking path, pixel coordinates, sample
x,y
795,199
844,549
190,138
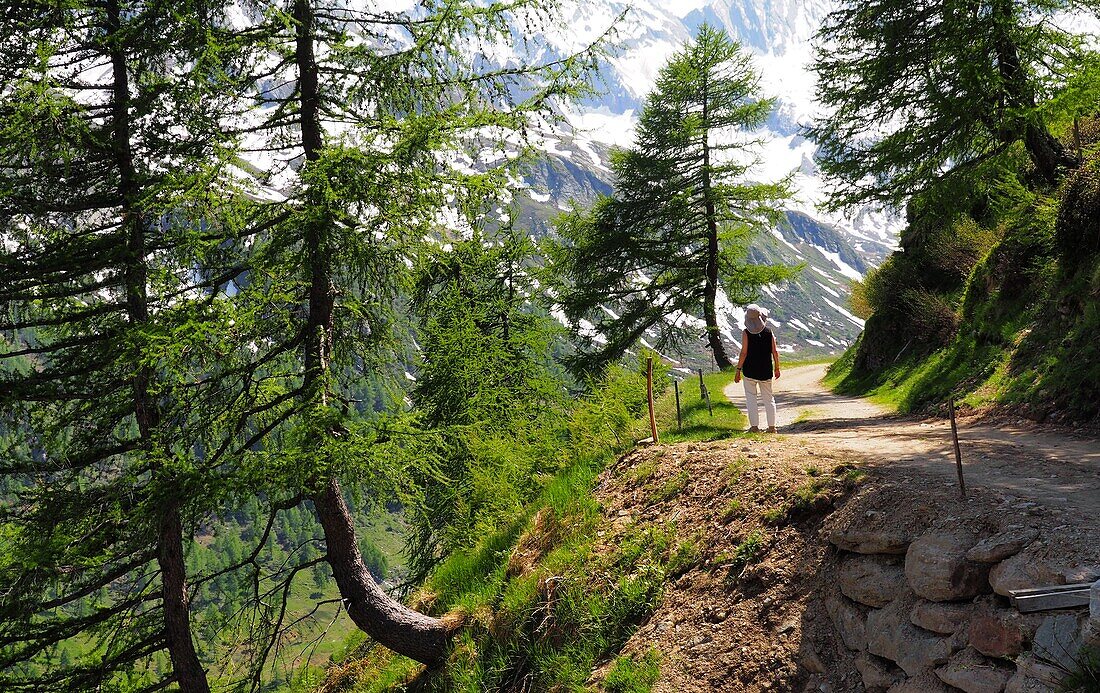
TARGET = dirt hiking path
x,y
1027,463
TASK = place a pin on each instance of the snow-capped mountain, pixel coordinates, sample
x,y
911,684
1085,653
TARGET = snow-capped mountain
x,y
836,248
644,34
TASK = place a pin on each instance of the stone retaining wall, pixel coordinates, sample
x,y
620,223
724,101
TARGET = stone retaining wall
x,y
929,613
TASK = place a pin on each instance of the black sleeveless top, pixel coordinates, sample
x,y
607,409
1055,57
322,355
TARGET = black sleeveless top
x,y
758,357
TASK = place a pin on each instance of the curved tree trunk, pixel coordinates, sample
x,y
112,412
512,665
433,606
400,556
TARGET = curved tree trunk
x,y
1045,151
382,617
396,626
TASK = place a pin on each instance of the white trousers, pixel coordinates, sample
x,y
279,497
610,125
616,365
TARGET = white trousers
x,y
755,391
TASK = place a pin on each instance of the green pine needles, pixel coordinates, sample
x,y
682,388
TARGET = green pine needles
x,y
487,384
684,211
207,214
919,92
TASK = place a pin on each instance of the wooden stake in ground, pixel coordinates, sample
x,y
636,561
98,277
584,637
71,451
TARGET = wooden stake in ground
x,y
958,452
649,398
704,393
676,387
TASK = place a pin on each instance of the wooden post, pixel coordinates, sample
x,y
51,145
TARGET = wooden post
x,y
649,397
676,387
702,387
958,452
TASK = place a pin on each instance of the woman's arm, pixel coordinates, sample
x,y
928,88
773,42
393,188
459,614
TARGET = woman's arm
x,y
741,358
775,355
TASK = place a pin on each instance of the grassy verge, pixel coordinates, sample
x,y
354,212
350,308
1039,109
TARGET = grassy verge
x,y
976,375
542,604
722,420
540,608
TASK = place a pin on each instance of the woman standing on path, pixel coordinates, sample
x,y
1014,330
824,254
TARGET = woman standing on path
x,y
758,354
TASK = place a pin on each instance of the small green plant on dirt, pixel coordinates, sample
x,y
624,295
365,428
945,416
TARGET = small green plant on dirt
x,y
812,470
628,675
671,488
773,516
732,511
732,472
653,545
848,473
655,550
746,552
774,491
804,501
853,476
805,495
684,558
644,471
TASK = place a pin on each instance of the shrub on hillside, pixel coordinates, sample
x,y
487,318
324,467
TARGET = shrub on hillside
x,y
1016,273
883,286
938,261
1077,230
931,316
600,421
858,301
959,247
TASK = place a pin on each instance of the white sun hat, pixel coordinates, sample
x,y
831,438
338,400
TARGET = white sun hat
x,y
755,317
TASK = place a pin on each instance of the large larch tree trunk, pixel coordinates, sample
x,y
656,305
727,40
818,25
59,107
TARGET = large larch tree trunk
x,y
385,619
710,287
1045,151
187,670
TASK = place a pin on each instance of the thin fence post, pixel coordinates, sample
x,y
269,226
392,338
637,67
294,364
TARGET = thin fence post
x,y
676,387
702,387
958,452
649,397
706,393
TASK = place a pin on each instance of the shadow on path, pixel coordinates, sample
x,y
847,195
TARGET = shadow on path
x,y
1033,463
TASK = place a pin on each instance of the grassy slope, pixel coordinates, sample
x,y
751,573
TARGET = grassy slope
x,y
538,605
1026,325
1041,368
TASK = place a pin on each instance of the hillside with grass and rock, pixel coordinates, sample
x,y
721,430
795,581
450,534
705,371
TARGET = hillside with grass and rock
x,y
725,561
372,346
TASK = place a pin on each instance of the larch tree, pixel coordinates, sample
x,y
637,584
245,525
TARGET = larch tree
x,y
678,227
359,117
109,147
913,91
206,232
487,385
